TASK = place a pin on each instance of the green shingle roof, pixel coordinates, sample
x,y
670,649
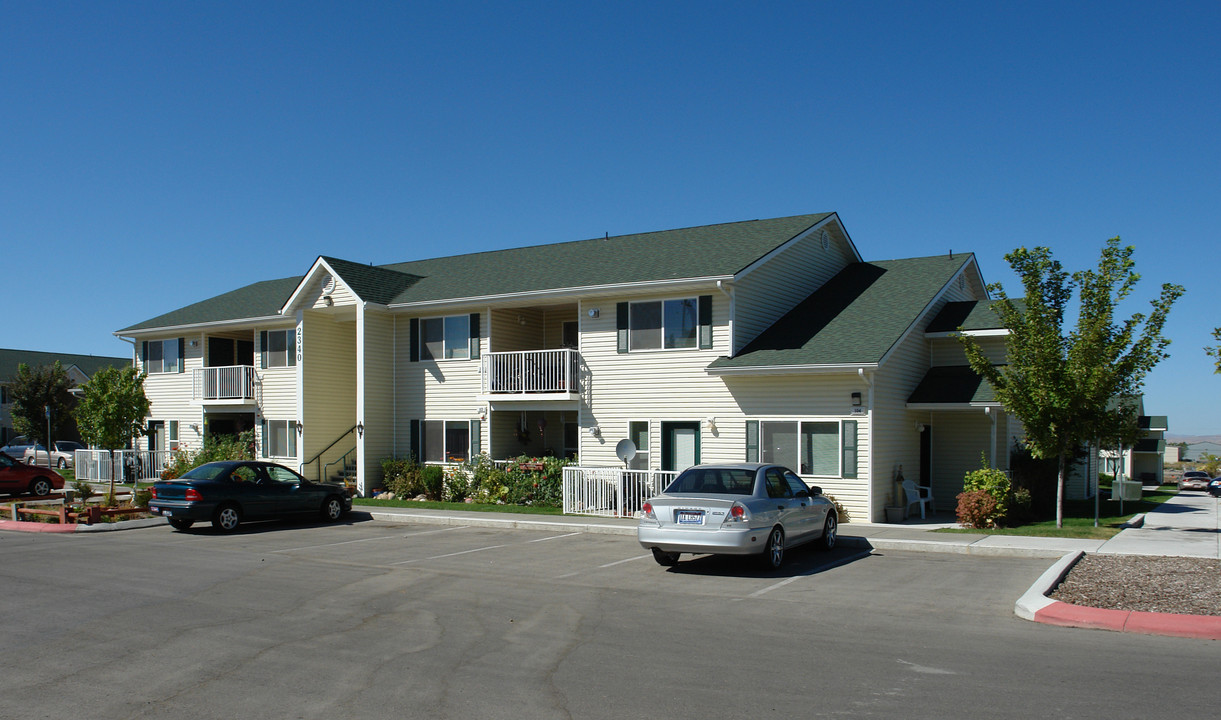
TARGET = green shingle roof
x,y
89,364
854,318
262,299
952,384
705,251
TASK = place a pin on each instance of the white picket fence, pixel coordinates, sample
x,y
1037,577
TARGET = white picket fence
x,y
124,465
611,492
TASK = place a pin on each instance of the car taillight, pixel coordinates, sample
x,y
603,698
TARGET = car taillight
x,y
192,495
647,509
737,513
152,493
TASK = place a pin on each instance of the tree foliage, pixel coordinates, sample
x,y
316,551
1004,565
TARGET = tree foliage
x,y
1215,351
34,389
111,413
1063,386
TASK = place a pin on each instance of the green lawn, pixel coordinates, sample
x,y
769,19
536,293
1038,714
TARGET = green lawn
x,y
467,507
1079,518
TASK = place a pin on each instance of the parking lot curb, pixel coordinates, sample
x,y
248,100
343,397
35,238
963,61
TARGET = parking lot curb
x,y
500,522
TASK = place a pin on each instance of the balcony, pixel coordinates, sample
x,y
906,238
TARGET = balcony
x,y
231,383
532,375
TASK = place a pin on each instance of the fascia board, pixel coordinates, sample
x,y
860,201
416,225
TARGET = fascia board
x,y
573,293
792,369
832,218
149,332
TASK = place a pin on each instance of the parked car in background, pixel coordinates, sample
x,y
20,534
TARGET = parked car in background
x,y
1214,487
231,492
1194,480
16,477
63,456
17,446
736,509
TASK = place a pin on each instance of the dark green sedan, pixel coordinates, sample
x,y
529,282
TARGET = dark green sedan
x,y
229,493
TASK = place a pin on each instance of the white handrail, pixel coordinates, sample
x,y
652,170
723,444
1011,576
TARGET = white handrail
x,y
531,371
230,382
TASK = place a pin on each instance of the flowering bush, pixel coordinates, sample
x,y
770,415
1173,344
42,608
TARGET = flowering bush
x,y
976,509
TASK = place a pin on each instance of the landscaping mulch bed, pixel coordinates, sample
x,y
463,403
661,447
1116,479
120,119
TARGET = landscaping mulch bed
x,y
1190,586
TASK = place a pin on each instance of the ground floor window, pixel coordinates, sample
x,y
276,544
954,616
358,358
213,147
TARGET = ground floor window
x,y
824,448
172,435
446,440
638,432
280,438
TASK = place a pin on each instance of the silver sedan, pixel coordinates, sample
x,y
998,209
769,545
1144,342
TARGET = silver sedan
x,y
736,509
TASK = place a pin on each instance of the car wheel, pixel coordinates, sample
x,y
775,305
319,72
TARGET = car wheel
x,y
227,518
61,464
40,487
179,524
830,531
332,508
773,553
29,460
666,559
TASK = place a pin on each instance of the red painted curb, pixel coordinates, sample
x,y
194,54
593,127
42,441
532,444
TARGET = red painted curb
x,y
24,526
1205,627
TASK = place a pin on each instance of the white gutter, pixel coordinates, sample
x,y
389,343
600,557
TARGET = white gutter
x,y
200,326
792,369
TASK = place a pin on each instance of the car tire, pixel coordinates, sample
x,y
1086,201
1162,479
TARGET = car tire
x,y
40,487
830,532
61,464
665,559
227,517
773,552
180,524
332,508
29,460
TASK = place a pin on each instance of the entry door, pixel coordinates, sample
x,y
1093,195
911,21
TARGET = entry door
x,y
156,435
680,445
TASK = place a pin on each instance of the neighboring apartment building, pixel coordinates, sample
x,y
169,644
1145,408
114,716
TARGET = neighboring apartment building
x,y
1145,460
762,340
78,367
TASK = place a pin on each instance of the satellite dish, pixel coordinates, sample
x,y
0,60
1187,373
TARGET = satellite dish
x,y
625,449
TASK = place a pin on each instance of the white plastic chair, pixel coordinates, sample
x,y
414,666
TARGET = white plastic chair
x,y
918,494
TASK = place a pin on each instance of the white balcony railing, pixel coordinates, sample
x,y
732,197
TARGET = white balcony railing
x,y
611,492
234,382
531,371
122,465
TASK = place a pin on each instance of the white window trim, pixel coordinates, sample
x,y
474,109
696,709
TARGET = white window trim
x,y
444,459
795,466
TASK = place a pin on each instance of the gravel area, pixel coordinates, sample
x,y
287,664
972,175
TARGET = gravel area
x,y
1148,583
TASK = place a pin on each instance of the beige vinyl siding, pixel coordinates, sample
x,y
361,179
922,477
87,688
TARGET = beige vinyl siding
x,y
170,394
439,389
514,329
378,393
328,366
948,350
895,440
799,270
341,296
959,438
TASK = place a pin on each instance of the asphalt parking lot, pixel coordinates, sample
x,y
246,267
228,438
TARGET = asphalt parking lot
x,y
371,619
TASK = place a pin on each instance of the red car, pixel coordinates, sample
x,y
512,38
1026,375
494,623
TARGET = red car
x,y
17,477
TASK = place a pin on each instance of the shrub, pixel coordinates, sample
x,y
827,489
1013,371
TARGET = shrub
x,y
432,477
976,509
215,448
403,477
141,497
83,490
996,484
841,512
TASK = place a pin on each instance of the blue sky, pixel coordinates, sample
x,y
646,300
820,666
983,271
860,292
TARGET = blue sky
x,y
156,154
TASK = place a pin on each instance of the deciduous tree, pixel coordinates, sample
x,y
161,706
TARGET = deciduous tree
x,y
1062,385
112,411
34,389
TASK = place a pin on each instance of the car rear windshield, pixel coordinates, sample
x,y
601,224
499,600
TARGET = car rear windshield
x,y
203,472
720,481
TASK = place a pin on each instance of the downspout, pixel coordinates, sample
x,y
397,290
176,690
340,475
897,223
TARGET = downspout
x,y
867,378
733,307
992,444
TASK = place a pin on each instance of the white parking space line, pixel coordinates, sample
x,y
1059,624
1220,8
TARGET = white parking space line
x,y
453,554
815,571
620,562
385,537
554,537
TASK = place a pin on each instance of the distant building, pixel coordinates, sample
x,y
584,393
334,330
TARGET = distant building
x,y
79,368
1144,460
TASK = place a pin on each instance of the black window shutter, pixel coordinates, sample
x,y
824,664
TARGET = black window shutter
x,y
705,321
752,441
621,325
474,335
414,331
182,355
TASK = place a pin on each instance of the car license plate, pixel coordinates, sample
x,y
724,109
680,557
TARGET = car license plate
x,y
690,517
166,513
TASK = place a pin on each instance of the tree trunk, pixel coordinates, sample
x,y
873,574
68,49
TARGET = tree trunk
x,y
1060,492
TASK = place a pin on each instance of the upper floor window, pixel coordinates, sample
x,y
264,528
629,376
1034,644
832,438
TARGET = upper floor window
x,y
278,348
665,324
163,356
445,338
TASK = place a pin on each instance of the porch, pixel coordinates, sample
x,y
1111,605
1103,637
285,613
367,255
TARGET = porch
x,y
531,375
233,382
